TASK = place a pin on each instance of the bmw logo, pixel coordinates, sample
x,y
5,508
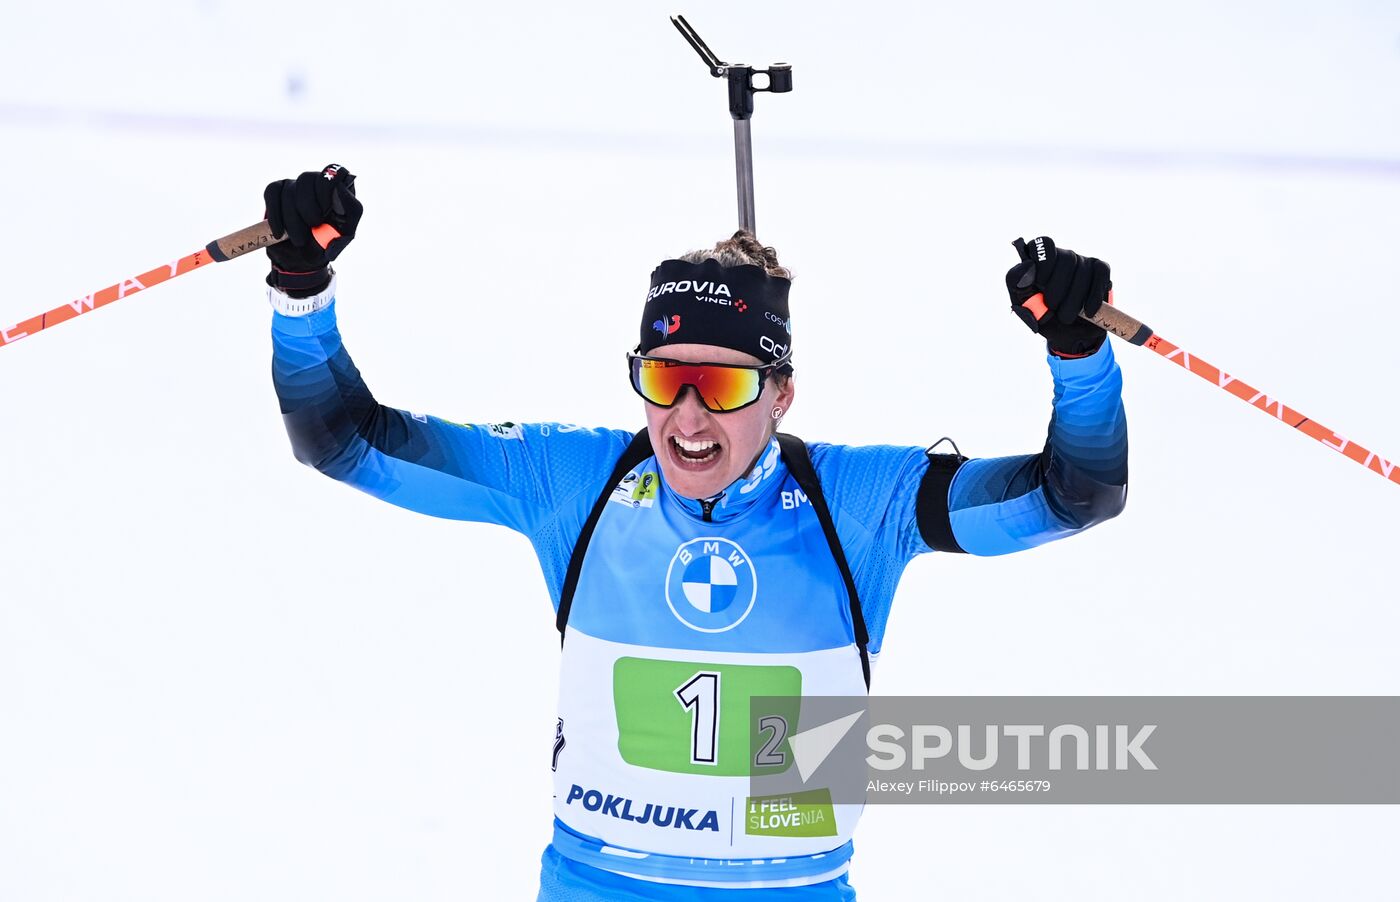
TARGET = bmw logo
x,y
710,585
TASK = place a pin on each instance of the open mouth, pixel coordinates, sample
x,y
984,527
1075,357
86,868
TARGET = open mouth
x,y
695,454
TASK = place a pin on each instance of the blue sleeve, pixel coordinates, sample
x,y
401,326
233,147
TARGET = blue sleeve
x,y
879,495
1005,504
539,479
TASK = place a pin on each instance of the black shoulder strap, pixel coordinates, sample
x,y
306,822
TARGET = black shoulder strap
x,y
638,451
799,464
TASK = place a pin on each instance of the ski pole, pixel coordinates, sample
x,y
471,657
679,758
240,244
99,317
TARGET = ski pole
x,y
1135,332
219,250
741,91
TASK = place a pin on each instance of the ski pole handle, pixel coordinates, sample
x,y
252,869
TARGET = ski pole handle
x,y
1108,318
1111,319
258,236
217,251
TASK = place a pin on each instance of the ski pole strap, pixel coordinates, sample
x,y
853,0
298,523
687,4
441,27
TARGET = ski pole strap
x,y
637,451
799,464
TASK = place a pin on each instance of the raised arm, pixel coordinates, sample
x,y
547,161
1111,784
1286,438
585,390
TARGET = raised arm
x,y
1006,504
1003,504
520,476
516,475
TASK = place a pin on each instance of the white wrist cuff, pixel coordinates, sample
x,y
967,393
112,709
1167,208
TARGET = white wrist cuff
x,y
289,306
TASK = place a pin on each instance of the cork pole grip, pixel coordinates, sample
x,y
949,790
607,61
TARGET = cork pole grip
x,y
1119,323
258,236
241,242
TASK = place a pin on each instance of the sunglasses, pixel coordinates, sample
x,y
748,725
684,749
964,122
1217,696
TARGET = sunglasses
x,y
721,387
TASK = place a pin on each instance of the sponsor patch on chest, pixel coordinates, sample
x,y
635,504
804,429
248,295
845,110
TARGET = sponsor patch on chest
x,y
636,490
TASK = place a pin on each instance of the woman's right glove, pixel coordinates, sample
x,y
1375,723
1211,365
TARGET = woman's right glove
x,y
301,265
1068,285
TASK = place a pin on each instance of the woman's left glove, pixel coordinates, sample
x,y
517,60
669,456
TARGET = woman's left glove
x,y
301,208
1069,285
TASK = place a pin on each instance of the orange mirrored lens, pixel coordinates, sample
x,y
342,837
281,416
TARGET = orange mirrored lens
x,y
721,388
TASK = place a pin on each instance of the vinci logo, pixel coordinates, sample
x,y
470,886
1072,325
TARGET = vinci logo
x,y
667,328
710,585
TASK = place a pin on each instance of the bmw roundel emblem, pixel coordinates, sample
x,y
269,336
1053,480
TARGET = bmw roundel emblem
x,y
710,585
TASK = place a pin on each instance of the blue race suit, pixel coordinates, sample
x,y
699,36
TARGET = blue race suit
x,y
670,584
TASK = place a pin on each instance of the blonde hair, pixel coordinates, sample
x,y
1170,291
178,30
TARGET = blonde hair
x,y
741,249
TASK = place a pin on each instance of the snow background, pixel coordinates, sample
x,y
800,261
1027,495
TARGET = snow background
x,y
224,677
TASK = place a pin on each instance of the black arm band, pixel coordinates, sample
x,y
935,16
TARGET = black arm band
x,y
931,507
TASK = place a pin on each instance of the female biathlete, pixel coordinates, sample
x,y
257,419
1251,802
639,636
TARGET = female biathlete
x,y
708,558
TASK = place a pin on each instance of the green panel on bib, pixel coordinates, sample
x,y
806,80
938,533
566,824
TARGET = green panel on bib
x,y
796,814
674,715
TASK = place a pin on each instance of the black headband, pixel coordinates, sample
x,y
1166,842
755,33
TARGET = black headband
x,y
737,307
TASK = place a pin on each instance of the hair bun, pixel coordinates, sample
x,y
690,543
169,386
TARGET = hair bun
x,y
741,249
747,244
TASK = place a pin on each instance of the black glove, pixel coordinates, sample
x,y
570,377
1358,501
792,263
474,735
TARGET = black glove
x,y
301,265
1070,285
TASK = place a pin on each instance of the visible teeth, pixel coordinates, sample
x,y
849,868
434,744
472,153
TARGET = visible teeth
x,y
696,447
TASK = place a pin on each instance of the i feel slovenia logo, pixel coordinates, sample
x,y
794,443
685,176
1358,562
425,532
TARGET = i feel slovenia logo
x,y
710,585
